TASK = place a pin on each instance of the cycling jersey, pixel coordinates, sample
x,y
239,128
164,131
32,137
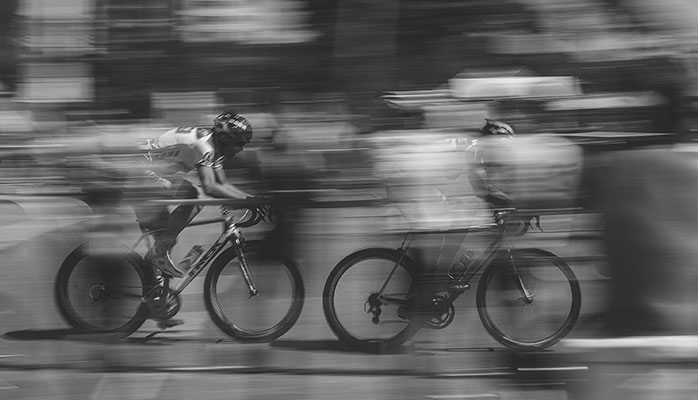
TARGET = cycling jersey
x,y
181,150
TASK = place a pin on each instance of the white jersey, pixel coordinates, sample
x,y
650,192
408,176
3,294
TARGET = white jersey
x,y
181,150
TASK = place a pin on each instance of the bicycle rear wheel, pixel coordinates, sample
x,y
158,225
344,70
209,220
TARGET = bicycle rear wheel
x,y
356,313
263,317
103,293
530,304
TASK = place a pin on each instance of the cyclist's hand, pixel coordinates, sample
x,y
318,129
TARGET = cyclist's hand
x,y
499,199
263,210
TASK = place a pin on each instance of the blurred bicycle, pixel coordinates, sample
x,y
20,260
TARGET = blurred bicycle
x,y
527,299
252,292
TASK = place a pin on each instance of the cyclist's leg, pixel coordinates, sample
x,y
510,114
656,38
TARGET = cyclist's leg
x,y
435,255
153,216
180,216
143,188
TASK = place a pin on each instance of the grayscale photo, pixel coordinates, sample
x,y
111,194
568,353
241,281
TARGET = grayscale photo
x,y
342,199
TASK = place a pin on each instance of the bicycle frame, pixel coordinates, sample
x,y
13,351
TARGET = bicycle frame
x,y
231,233
480,262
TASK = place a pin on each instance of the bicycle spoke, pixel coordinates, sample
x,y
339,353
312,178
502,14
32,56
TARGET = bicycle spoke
x,y
531,305
256,312
529,321
264,316
102,295
366,279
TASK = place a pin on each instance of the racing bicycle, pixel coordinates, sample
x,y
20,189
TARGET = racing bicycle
x,y
252,292
527,299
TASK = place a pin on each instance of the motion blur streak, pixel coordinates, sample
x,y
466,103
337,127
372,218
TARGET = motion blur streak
x,y
365,117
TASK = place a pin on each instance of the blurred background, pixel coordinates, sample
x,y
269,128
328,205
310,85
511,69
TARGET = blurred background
x,y
331,80
348,97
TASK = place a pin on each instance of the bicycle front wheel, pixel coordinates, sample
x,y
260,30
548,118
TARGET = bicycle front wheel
x,y
530,303
362,296
103,293
265,316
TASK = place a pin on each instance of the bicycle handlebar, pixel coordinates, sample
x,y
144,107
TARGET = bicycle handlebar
x,y
252,216
234,204
257,210
526,219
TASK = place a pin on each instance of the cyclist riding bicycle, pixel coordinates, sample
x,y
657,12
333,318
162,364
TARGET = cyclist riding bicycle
x,y
483,169
481,165
181,150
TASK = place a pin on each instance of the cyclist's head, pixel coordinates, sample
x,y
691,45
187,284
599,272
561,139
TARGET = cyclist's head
x,y
496,128
232,130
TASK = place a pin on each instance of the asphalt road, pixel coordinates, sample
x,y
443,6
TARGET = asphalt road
x,y
40,358
64,385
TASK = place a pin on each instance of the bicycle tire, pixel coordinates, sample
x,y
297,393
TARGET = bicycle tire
x,y
94,293
357,306
248,325
534,265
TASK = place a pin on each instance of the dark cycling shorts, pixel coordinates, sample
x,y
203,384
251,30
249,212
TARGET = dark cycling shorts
x,y
153,187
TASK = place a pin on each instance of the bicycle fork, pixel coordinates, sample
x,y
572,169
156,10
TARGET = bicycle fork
x,y
242,261
527,296
231,234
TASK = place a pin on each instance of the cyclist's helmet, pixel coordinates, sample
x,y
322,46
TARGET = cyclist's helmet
x,y
234,127
496,128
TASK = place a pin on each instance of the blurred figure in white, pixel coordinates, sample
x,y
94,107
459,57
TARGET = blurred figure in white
x,y
528,173
479,163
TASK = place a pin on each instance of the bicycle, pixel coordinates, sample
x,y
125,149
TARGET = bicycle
x,y
363,293
251,292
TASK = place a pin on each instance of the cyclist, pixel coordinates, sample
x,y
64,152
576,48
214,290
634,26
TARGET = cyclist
x,y
180,150
481,165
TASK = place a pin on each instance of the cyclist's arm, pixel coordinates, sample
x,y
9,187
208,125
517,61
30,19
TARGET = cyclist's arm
x,y
469,160
221,179
214,184
493,195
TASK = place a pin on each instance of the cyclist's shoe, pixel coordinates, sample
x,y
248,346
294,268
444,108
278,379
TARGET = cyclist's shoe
x,y
169,323
164,263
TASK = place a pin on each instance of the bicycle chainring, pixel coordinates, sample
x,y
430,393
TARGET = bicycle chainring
x,y
164,305
444,313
